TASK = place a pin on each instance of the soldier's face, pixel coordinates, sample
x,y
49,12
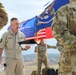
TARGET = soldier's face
x,y
42,42
15,24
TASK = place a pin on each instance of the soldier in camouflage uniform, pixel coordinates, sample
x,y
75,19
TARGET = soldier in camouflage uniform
x,y
64,30
3,16
41,54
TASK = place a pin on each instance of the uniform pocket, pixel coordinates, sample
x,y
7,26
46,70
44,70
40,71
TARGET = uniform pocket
x,y
9,44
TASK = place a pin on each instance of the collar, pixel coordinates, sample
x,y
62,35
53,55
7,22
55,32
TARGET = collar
x,y
11,32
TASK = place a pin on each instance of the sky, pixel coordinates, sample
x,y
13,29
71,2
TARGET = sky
x,y
24,10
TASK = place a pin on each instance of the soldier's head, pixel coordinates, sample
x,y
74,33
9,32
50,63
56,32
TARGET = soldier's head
x,y
42,41
72,0
15,24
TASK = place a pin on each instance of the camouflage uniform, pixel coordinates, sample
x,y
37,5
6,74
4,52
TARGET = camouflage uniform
x,y
61,62
3,16
42,56
64,30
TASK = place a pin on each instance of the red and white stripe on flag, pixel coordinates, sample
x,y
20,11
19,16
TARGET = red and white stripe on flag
x,y
42,34
45,33
49,33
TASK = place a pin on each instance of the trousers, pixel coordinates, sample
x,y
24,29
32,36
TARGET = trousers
x,y
40,61
67,65
14,66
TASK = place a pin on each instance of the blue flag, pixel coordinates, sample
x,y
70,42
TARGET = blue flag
x,y
28,28
48,13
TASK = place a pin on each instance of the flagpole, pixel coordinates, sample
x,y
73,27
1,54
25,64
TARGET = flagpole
x,y
37,50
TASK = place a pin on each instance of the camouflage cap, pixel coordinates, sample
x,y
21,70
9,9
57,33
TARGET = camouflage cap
x,y
3,16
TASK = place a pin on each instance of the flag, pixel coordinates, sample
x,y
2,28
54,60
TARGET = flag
x,y
42,33
45,33
27,27
47,15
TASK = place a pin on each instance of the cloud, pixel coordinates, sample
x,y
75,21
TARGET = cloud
x,y
24,9
12,14
34,2
4,29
